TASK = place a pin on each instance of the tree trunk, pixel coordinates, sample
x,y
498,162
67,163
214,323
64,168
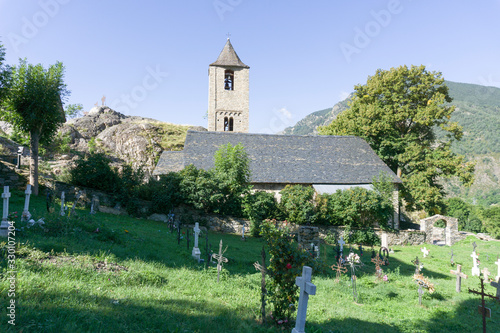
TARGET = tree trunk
x,y
34,138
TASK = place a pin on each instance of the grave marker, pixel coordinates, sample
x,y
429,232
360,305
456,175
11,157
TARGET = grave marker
x,y
26,214
220,259
496,285
459,275
62,204
263,290
474,245
486,274
498,273
243,232
92,205
452,262
378,271
425,251
341,242
196,251
4,225
77,197
416,262
385,243
353,259
423,282
482,308
306,289
475,268
339,268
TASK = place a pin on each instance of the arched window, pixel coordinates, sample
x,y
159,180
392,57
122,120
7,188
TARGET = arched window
x,y
228,79
231,123
226,124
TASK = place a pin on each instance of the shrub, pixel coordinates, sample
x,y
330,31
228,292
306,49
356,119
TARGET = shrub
x,y
165,192
257,207
297,204
492,221
95,172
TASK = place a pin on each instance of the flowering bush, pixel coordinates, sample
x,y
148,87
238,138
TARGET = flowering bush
x,y
286,262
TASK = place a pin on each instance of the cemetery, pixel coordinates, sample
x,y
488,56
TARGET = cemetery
x,y
84,270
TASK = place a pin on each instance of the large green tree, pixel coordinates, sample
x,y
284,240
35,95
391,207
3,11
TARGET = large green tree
x,y
398,112
4,75
34,106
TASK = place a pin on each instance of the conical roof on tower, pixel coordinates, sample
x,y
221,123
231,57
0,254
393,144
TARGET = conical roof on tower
x,y
228,57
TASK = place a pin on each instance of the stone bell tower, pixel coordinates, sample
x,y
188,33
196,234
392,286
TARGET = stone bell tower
x,y
228,93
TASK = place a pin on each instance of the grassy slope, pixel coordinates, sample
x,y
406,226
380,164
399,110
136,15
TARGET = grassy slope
x,y
76,282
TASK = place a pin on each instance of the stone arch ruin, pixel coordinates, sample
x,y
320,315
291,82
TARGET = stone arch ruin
x,y
434,235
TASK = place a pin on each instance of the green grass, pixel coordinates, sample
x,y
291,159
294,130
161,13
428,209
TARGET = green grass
x,y
71,279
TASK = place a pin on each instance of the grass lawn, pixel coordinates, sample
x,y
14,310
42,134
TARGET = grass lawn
x,y
132,276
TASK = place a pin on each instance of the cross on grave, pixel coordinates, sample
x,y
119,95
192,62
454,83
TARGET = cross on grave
x,y
416,262
196,251
474,245
475,268
452,262
243,232
377,261
422,282
306,289
339,268
62,204
496,285
482,308
263,291
498,273
486,274
341,242
384,255
220,259
92,205
459,275
425,251
26,214
4,225
77,197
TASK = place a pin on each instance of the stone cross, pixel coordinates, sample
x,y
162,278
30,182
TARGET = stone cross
x,y
459,275
425,251
341,242
475,269
306,289
486,274
62,204
77,197
498,273
220,259
196,251
26,214
482,309
263,291
5,197
496,285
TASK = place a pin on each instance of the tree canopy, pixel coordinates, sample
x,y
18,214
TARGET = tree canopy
x,y
397,112
34,106
5,73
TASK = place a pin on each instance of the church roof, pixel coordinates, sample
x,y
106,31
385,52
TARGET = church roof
x,y
228,57
288,159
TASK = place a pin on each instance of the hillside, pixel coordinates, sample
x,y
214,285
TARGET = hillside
x,y
478,112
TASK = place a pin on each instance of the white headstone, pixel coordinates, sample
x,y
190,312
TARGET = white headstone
x,y
384,240
498,273
62,204
486,274
196,251
425,251
306,289
341,242
243,231
475,268
26,214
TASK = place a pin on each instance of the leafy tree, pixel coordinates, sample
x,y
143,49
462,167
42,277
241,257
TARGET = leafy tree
x,y
257,207
5,73
34,106
297,203
73,111
492,221
232,167
397,112
95,171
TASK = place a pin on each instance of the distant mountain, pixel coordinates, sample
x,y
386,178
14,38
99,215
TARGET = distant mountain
x,y
477,111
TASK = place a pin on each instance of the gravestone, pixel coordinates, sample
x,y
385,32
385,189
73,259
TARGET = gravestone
x,y
339,268
486,274
425,252
474,245
353,260
4,226
306,289
378,270
342,243
77,197
459,275
416,262
385,242
196,251
486,312
243,232
498,273
220,259
94,205
62,204
26,213
420,294
496,285
475,268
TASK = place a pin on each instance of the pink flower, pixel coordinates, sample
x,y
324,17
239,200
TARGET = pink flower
x,y
386,278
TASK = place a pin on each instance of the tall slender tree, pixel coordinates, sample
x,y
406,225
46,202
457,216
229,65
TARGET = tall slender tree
x,y
5,73
34,106
397,112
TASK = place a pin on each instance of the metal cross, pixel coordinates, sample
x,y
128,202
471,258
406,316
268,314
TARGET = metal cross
x,y
417,265
339,268
482,307
228,35
377,261
220,259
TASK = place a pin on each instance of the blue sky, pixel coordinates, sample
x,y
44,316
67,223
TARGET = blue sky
x,y
150,58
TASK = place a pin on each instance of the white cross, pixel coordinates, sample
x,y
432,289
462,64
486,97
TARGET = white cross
x,y
498,274
196,233
5,196
341,242
306,289
475,269
62,204
496,285
459,275
425,251
486,274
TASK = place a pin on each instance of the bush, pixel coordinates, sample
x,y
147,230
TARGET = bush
x,y
492,221
95,172
257,207
297,204
166,192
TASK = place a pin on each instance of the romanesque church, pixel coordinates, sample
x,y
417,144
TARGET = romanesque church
x,y
327,163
